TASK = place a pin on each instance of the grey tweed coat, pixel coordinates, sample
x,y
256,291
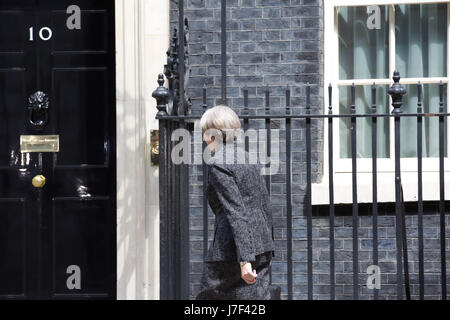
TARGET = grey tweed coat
x,y
243,230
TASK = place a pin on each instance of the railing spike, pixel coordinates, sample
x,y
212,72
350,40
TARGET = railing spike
x,y
353,107
330,95
205,106
288,100
419,97
374,98
267,91
245,89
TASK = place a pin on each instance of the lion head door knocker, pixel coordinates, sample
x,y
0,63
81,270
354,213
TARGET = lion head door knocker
x,y
38,104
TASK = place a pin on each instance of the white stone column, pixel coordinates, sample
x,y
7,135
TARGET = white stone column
x,y
142,39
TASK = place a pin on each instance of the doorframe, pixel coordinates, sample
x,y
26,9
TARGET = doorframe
x,y
142,38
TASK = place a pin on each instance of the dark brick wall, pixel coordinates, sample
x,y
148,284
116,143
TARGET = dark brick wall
x,y
271,43
274,44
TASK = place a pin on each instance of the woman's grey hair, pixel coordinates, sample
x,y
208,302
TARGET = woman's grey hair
x,y
221,122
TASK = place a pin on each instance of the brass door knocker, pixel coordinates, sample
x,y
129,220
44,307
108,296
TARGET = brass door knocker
x,y
38,104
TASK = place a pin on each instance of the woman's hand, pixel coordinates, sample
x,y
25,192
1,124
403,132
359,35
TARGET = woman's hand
x,y
247,274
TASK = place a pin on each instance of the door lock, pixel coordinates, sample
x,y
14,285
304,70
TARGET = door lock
x,y
38,181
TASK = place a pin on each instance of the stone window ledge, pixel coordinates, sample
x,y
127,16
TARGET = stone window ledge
x,y
386,187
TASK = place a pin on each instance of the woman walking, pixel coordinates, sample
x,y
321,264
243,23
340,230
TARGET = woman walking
x,y
237,264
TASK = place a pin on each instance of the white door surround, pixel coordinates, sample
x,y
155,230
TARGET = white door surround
x,y
142,39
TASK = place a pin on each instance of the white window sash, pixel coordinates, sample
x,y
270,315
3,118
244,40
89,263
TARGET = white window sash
x,y
331,75
369,82
354,3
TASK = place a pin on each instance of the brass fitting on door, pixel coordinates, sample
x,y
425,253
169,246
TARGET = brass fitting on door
x,y
38,181
154,147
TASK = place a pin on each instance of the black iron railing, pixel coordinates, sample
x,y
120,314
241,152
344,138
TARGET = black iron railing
x,y
174,179
173,191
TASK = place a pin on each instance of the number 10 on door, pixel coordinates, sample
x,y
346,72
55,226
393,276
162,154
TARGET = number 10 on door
x,y
45,33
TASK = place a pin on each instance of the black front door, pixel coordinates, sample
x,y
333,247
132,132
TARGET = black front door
x,y
58,234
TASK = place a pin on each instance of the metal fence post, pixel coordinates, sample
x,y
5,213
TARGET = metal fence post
x,y
396,92
331,194
161,94
374,183
355,207
442,195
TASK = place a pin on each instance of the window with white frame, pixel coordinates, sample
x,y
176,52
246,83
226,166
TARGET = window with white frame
x,y
372,39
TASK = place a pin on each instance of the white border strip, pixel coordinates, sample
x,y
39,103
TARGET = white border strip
x,y
352,3
368,82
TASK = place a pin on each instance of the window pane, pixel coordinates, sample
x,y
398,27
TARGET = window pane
x,y
421,40
364,125
430,125
363,42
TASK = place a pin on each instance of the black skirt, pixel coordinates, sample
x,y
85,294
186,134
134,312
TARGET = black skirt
x,y
222,280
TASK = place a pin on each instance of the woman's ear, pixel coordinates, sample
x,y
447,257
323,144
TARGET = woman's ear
x,y
205,137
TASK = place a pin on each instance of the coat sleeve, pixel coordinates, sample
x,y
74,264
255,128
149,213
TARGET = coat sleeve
x,y
230,200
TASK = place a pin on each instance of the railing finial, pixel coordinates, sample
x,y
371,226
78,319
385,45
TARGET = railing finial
x,y
161,94
396,92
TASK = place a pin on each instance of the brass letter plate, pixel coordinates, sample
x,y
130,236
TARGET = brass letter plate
x,y
39,143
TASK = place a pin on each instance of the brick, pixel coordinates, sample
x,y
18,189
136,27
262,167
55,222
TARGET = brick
x,y
306,11
271,12
248,3
272,3
249,24
246,36
200,13
272,35
267,24
245,58
274,68
243,13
